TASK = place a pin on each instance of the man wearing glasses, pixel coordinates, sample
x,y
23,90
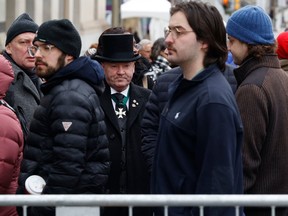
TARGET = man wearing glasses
x,y
24,92
67,145
200,135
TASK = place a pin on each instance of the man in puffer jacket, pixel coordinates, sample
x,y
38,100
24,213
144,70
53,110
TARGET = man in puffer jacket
x,y
67,145
11,140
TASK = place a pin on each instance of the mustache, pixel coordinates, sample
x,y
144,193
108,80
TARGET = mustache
x,y
40,62
169,48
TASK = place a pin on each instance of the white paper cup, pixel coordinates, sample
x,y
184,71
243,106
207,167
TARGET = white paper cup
x,y
34,184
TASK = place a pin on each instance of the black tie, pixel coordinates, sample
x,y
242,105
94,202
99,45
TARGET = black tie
x,y
120,108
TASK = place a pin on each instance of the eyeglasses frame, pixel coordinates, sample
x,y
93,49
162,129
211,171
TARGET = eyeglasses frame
x,y
177,32
38,48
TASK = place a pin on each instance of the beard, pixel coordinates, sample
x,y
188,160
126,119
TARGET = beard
x,y
49,71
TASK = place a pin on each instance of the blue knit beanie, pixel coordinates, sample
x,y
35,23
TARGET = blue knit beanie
x,y
251,25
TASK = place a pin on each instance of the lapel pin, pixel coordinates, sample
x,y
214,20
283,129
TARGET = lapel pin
x,y
134,103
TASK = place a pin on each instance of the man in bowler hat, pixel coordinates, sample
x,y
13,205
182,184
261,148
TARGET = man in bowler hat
x,y
123,103
67,145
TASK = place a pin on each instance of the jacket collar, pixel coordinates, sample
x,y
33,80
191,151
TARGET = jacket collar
x,y
253,63
30,73
186,84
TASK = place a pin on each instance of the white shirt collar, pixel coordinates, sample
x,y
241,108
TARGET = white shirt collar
x,y
125,92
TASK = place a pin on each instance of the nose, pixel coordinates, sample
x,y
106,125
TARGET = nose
x,y
120,69
228,45
169,39
37,53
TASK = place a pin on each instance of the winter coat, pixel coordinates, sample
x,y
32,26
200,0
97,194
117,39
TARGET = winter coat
x,y
263,103
199,142
229,75
151,116
137,175
67,145
156,103
23,95
11,140
284,64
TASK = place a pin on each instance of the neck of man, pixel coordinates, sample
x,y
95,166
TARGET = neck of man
x,y
190,70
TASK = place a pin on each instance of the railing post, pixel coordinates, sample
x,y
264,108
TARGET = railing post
x,y
272,210
237,210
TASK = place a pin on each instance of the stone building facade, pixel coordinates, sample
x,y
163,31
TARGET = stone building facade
x,y
88,16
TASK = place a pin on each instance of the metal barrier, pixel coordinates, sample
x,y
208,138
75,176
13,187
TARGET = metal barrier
x,y
96,201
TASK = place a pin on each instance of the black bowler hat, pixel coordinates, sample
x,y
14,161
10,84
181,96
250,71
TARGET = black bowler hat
x,y
117,48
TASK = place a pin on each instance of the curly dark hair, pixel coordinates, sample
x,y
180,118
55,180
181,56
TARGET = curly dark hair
x,y
258,51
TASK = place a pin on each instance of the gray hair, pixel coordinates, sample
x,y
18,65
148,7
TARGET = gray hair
x,y
144,42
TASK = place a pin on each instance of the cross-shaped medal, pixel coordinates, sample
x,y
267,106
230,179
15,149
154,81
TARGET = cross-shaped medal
x,y
120,113
120,107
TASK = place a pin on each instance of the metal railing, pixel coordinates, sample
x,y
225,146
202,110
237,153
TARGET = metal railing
x,y
166,201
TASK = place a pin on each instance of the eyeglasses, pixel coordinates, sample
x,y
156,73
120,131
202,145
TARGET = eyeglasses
x,y
44,49
176,31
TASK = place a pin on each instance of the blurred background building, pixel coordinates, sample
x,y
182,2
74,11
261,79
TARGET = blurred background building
x,y
88,16
146,18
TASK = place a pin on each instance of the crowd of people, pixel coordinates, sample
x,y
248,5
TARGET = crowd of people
x,y
131,116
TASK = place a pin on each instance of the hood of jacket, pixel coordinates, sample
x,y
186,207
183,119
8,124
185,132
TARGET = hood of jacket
x,y
82,68
6,76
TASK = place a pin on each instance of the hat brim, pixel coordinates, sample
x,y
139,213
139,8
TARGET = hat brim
x,y
102,58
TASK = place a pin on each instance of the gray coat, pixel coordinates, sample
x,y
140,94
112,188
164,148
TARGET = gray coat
x,y
22,94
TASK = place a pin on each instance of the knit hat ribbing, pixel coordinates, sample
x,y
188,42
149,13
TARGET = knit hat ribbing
x,y
282,49
62,34
252,25
24,23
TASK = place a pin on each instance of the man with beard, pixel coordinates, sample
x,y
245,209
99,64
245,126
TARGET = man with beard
x,y
67,145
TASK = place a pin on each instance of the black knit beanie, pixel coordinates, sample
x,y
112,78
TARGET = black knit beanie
x,y
24,23
62,34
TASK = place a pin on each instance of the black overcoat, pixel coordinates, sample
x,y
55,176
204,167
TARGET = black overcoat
x,y
137,174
